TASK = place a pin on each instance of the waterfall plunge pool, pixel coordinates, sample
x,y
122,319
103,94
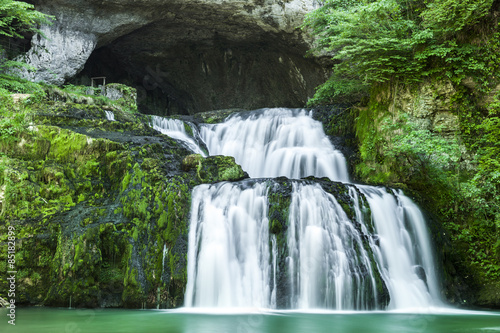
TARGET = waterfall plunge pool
x,y
49,320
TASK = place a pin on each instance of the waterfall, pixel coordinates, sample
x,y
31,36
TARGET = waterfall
x,y
374,253
329,267
164,257
176,129
110,115
277,142
228,256
403,252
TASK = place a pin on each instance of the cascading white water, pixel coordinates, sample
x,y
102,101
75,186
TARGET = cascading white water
x,y
232,257
329,267
175,129
165,252
277,142
229,257
274,270
110,115
404,251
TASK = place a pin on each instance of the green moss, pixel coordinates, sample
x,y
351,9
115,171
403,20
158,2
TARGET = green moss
x,y
371,167
222,168
211,120
163,220
126,181
234,172
188,129
192,162
279,199
63,184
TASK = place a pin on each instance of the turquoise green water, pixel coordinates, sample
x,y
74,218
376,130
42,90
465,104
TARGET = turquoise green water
x,y
42,320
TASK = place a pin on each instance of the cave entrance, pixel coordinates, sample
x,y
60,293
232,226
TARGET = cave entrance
x,y
193,77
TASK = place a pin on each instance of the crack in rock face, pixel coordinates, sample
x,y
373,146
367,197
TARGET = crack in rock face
x,y
183,56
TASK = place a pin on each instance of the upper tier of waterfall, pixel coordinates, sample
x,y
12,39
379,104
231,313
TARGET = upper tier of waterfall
x,y
175,129
277,142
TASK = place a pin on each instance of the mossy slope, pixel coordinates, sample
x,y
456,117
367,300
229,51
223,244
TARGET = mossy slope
x,y
100,207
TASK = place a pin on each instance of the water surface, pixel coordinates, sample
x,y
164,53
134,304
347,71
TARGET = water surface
x,y
45,320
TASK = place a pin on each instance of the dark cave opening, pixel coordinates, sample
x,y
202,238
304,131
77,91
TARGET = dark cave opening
x,y
191,77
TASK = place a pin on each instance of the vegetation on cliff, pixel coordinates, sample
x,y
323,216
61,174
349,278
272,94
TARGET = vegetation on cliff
x,y
380,41
18,17
430,117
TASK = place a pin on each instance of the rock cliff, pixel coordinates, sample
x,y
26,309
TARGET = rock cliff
x,y
182,56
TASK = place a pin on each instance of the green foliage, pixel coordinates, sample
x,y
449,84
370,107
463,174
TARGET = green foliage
x,y
399,149
81,90
12,122
17,17
416,152
483,190
338,89
386,40
450,16
11,84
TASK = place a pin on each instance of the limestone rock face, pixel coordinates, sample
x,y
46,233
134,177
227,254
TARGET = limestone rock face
x,y
183,56
59,56
430,105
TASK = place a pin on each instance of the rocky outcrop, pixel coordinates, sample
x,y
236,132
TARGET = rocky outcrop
x,y
59,56
429,104
183,56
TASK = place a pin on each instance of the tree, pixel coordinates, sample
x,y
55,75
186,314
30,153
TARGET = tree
x,y
17,17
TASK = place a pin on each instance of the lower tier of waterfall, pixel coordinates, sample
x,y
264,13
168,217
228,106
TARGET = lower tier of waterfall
x,y
300,244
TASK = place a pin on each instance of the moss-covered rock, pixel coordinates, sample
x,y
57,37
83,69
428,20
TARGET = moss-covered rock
x,y
100,208
214,168
215,116
279,199
339,124
192,162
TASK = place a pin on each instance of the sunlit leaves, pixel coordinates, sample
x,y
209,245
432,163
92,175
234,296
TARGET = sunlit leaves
x,y
406,40
450,16
17,17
